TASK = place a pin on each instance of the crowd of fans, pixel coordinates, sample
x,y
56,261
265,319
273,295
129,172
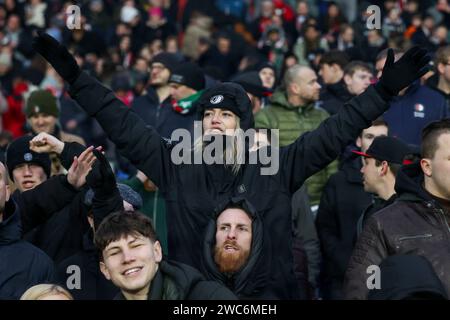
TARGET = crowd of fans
x,y
299,61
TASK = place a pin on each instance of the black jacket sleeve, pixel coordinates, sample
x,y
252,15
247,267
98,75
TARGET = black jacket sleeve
x,y
314,150
139,143
71,149
39,204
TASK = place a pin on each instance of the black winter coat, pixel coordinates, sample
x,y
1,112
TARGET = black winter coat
x,y
22,265
343,201
192,191
334,96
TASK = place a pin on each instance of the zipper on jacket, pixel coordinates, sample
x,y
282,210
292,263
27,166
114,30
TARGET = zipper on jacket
x,y
419,236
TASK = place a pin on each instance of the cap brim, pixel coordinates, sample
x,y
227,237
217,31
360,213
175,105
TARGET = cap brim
x,y
359,153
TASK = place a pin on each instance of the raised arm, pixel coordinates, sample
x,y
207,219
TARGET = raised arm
x,y
140,143
314,150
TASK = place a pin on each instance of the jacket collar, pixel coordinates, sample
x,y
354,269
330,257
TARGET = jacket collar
x,y
279,98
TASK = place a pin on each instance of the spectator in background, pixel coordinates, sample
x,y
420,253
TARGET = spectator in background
x,y
292,110
357,78
308,44
155,107
331,68
42,116
440,81
341,205
252,84
413,108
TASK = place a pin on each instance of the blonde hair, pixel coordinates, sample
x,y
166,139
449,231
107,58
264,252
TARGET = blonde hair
x,y
40,291
233,156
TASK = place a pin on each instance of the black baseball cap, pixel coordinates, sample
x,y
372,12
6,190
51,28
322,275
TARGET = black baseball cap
x,y
388,149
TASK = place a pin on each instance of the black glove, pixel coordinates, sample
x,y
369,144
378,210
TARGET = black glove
x,y
399,75
58,56
101,178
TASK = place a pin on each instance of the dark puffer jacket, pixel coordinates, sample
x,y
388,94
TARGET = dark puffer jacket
x,y
22,265
414,224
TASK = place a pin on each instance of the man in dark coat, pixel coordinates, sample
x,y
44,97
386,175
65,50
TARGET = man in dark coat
x,y
22,265
418,221
57,215
131,257
155,107
193,191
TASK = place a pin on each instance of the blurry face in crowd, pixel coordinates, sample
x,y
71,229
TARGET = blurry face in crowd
x,y
437,169
26,176
4,190
131,264
371,175
444,70
302,8
348,35
311,34
223,45
329,73
233,240
179,91
218,121
379,65
306,86
42,122
366,138
267,9
440,34
159,74
267,76
358,82
13,23
141,65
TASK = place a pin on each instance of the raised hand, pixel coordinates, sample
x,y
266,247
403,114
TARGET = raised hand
x,y
58,56
80,168
46,143
102,177
399,75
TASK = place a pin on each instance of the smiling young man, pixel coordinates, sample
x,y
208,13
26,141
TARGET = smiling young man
x,y
131,257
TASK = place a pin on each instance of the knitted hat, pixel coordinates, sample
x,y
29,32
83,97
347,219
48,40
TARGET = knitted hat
x,y
127,194
18,152
229,96
41,101
188,74
169,60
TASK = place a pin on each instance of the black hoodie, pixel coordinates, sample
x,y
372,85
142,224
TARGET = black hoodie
x,y
253,280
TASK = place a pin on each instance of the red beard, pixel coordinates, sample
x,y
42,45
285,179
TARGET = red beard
x,y
229,262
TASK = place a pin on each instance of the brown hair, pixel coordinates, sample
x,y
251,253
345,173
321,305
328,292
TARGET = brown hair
x,y
354,66
121,224
430,135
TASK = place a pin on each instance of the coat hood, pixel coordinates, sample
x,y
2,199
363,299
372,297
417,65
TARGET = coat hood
x,y
253,277
10,227
408,277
